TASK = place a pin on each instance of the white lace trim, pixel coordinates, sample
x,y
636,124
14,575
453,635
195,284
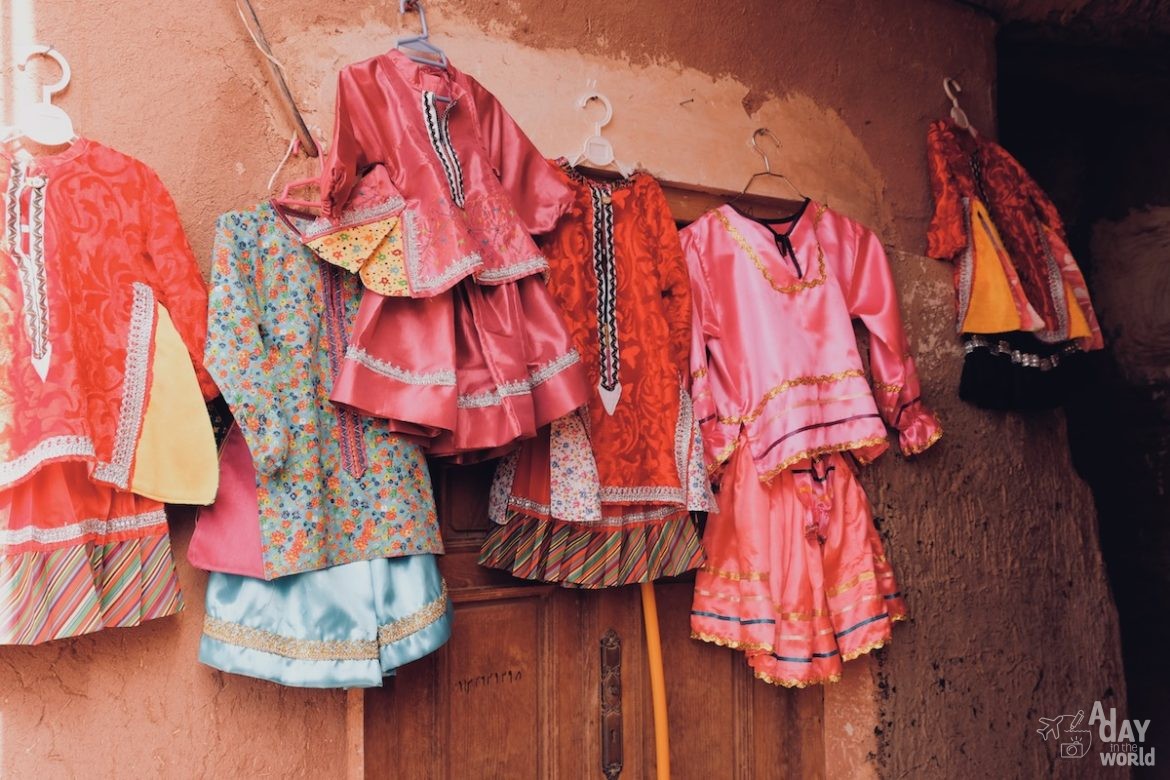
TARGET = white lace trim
x,y
643,494
57,447
531,506
82,529
117,470
496,395
457,269
444,378
322,225
516,270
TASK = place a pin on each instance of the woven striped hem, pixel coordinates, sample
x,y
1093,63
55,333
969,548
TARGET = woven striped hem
x,y
583,556
86,588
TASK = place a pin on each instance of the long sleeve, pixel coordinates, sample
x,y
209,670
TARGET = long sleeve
x,y
355,142
237,355
872,298
177,281
946,236
710,388
674,281
539,194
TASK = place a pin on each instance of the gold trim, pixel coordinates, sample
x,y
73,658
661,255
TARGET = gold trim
x,y
934,437
321,650
722,456
414,622
787,385
702,372
812,453
887,388
804,284
790,683
837,590
751,576
731,643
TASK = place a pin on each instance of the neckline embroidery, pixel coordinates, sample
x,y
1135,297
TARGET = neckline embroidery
x,y
745,245
605,269
439,131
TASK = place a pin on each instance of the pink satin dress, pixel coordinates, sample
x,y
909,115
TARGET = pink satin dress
x,y
796,576
470,352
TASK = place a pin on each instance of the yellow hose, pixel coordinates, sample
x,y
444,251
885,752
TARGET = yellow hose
x,y
657,681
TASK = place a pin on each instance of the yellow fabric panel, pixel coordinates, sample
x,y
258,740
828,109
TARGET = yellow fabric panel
x,y
176,461
992,308
374,251
1078,326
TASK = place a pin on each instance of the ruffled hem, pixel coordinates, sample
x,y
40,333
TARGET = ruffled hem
x,y
86,588
603,556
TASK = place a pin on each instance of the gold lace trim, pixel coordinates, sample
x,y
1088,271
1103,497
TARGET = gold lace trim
x,y
750,576
699,374
787,385
887,388
325,650
927,445
812,453
803,284
837,590
715,639
722,456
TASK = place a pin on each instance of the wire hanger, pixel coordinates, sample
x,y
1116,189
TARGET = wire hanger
x,y
43,122
767,172
597,149
418,48
953,90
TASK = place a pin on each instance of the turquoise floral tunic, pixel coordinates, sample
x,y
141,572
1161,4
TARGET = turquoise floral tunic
x,y
333,487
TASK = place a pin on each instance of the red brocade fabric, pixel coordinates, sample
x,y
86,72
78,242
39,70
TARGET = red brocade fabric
x,y
91,243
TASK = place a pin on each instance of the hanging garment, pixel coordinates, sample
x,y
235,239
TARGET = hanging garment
x,y
91,248
796,576
456,338
605,500
331,486
774,352
347,626
1023,305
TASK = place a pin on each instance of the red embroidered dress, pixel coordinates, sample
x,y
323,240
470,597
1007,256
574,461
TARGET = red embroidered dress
x,y
462,344
90,254
606,502
1023,305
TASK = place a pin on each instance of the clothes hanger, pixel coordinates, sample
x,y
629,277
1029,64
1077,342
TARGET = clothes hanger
x,y
418,48
767,172
953,90
597,149
43,122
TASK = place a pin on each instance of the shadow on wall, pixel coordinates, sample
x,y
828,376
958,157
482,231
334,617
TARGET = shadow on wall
x,y
1091,124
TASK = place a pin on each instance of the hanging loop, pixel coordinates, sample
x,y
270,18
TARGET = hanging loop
x,y
47,90
764,131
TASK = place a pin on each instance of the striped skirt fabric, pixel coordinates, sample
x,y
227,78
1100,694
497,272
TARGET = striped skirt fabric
x,y
594,555
77,557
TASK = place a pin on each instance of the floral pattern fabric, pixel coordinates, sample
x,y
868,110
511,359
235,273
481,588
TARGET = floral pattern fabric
x,y
276,332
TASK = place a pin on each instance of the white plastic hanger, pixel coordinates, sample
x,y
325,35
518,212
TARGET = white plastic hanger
x,y
953,90
597,150
418,48
43,122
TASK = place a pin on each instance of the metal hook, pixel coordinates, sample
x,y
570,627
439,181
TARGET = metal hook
x,y
47,90
764,131
953,90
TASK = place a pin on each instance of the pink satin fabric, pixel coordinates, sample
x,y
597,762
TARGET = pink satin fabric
x,y
796,575
227,533
477,368
510,190
783,364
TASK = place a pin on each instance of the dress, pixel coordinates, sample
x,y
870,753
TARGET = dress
x,y
1023,306
466,345
322,538
102,323
796,575
605,500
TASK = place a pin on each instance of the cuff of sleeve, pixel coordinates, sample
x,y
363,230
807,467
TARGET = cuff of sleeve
x,y
269,443
920,432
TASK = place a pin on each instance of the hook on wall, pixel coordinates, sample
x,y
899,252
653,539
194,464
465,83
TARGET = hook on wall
x,y
765,131
953,89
